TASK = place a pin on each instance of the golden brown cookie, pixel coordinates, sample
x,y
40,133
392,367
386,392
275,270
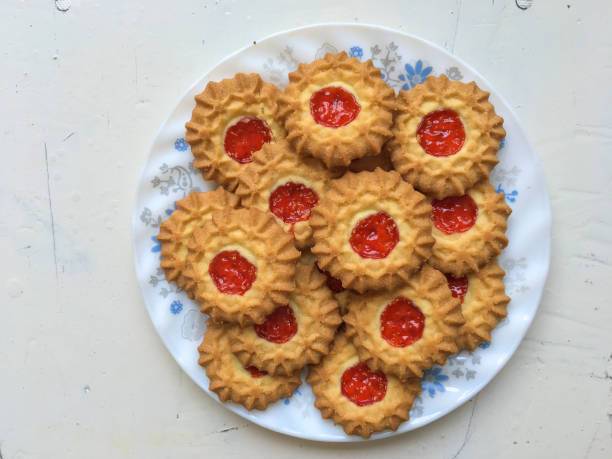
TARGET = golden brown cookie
x,y
362,401
288,186
469,230
446,136
231,381
483,303
193,211
405,331
231,121
372,230
337,109
243,264
294,335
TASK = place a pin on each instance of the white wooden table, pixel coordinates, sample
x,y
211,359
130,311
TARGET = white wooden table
x,y
82,92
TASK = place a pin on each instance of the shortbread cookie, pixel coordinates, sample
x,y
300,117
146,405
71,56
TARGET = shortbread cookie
x,y
405,331
243,264
446,136
362,401
372,230
483,303
251,387
469,230
191,212
296,334
232,120
288,186
337,109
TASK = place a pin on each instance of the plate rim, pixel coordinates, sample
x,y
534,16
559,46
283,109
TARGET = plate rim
x,y
546,222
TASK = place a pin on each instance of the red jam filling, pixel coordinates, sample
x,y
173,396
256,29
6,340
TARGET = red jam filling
x,y
232,273
245,137
332,283
374,236
455,214
363,386
279,327
458,286
441,133
255,372
334,107
292,202
402,323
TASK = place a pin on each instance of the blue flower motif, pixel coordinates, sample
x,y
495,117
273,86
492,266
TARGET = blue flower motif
x,y
502,143
485,345
356,51
286,401
156,246
433,381
415,75
176,307
180,144
168,212
510,196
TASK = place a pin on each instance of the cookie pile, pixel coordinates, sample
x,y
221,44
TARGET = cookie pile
x,y
354,233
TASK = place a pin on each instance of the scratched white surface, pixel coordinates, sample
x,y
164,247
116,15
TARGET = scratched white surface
x,y
82,372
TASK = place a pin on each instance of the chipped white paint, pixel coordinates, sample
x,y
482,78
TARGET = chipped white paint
x,y
524,4
120,68
63,5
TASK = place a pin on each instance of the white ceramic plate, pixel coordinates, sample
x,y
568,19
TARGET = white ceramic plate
x,y
405,61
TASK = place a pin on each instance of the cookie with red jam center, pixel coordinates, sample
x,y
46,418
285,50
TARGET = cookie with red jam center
x,y
337,109
242,264
287,186
372,230
469,229
483,303
405,331
249,386
231,122
446,136
362,400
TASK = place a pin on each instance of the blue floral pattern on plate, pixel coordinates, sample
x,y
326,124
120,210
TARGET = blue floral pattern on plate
x,y
356,51
156,245
415,75
180,144
176,307
509,195
506,180
433,381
